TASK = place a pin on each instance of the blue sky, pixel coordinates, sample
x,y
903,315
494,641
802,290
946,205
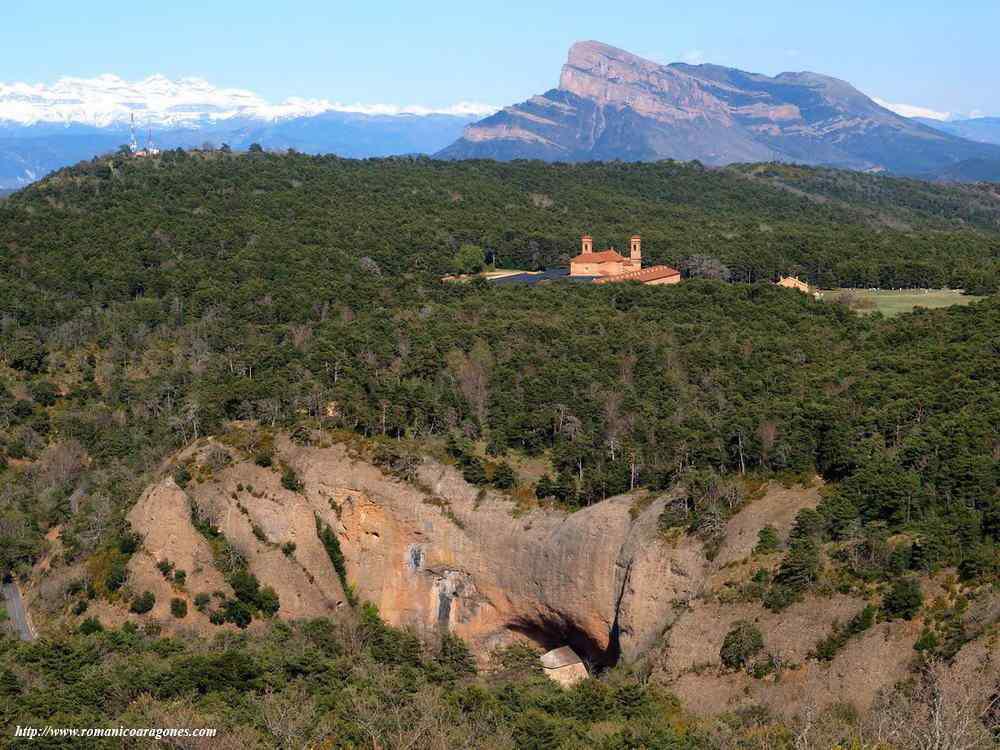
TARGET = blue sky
x,y
937,55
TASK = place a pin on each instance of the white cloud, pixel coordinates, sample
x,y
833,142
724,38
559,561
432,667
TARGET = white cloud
x,y
911,110
157,100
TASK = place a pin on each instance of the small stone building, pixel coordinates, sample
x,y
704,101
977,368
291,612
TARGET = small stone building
x,y
794,282
564,666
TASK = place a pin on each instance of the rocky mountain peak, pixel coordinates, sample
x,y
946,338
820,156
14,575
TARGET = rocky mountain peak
x,y
611,76
612,104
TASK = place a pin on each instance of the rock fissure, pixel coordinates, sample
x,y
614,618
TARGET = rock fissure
x,y
614,637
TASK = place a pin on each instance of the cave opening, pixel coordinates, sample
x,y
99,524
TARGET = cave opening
x,y
553,632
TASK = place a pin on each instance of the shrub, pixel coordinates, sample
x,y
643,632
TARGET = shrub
x,y
474,472
336,555
264,460
809,524
178,608
182,476
10,684
80,607
675,515
288,549
454,655
201,601
268,602
767,541
129,543
290,480
504,477
91,625
982,562
143,603
827,648
245,586
236,612
544,487
778,597
801,566
469,259
903,600
26,352
43,392
166,568
928,641
116,575
741,644
180,577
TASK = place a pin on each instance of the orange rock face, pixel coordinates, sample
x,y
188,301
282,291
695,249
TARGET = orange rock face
x,y
608,75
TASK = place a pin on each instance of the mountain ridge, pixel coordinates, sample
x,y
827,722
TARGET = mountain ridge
x,y
981,129
612,104
160,102
46,127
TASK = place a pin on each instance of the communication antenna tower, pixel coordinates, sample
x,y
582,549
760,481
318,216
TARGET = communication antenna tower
x,y
134,143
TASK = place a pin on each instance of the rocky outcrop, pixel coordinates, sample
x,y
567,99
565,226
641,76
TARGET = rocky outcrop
x,y
611,104
451,556
436,554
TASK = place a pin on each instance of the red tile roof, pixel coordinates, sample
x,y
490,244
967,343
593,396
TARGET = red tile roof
x,y
653,273
604,256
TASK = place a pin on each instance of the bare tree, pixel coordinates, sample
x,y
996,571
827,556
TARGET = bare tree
x,y
403,721
941,709
291,716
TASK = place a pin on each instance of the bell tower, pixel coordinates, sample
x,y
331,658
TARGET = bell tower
x,y
635,252
586,244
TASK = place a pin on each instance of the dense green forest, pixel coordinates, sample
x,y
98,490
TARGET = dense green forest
x,y
325,685
144,303
262,214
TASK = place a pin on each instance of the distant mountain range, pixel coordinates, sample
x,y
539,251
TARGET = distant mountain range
x,y
982,129
29,153
43,128
611,104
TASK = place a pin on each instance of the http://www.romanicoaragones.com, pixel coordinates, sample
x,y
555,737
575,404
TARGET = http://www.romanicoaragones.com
x,y
154,733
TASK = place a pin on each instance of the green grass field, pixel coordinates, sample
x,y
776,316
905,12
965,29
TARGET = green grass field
x,y
897,302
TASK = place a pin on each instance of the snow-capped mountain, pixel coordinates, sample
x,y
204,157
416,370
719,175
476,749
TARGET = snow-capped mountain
x,y
159,102
45,127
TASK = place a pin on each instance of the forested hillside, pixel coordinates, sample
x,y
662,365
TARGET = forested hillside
x,y
146,303
164,223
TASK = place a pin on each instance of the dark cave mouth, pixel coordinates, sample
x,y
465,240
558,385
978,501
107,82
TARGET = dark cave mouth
x,y
550,633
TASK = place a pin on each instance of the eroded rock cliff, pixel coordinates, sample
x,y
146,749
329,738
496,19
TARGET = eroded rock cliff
x,y
435,553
